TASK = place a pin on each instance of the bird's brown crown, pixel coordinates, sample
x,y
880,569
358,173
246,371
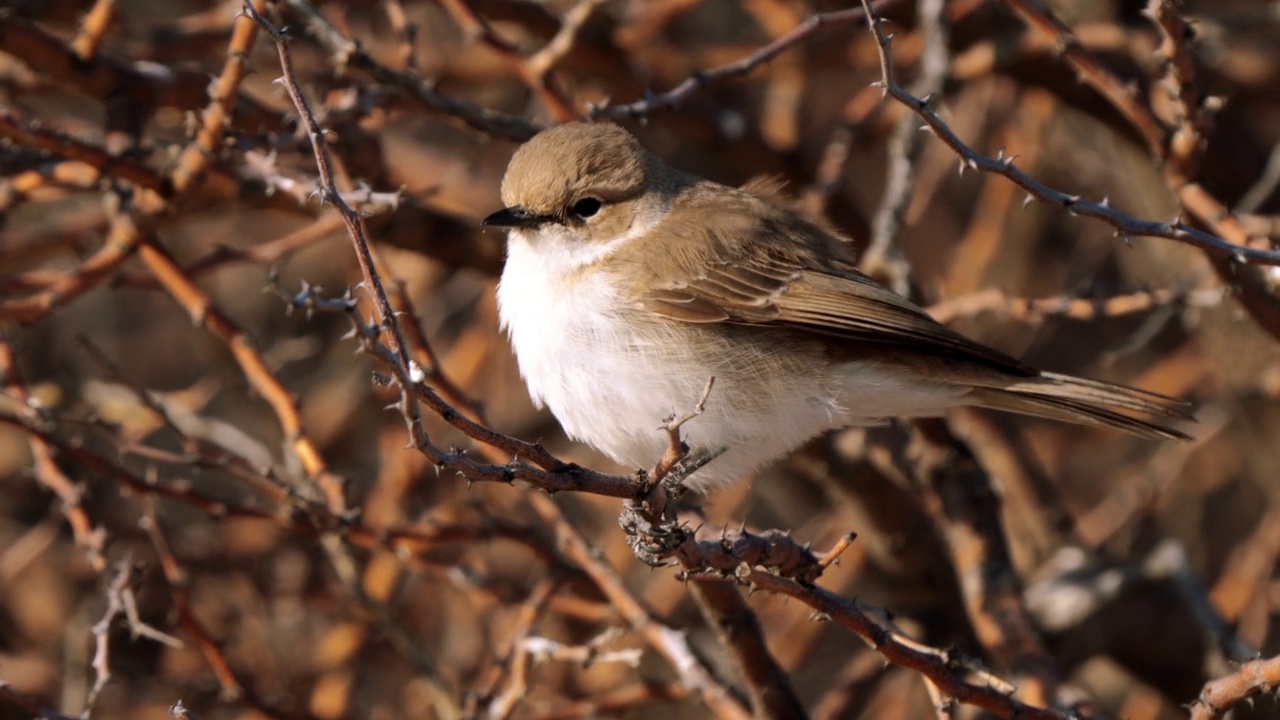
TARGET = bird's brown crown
x,y
560,165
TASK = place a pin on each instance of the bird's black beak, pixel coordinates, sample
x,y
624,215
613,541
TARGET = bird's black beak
x,y
514,217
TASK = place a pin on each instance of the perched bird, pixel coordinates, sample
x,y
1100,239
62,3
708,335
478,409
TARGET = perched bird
x,y
629,284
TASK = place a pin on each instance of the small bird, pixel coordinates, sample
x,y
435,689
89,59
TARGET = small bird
x,y
629,284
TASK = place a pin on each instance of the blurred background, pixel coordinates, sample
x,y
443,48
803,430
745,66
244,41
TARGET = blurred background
x,y
1143,569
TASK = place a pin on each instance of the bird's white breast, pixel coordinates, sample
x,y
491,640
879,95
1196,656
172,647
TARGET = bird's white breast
x,y
576,352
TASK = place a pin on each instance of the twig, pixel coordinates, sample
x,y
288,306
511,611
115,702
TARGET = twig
x,y
425,355
739,631
542,649
1263,187
1180,168
91,540
329,192
175,578
672,644
561,43
1076,308
99,158
206,313
364,199
938,665
1190,116
223,96
1259,677
120,601
884,257
134,88
1124,224
677,95
407,32
514,658
536,75
833,555
267,253
93,28
966,510
677,450
348,53
404,542
122,238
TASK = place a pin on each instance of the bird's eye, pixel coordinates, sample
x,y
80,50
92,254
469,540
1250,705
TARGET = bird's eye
x,y
586,207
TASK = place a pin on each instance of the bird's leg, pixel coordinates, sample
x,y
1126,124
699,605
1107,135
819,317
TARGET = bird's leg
x,y
651,521
651,524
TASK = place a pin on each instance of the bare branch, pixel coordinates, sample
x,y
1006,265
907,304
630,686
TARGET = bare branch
x,y
1124,224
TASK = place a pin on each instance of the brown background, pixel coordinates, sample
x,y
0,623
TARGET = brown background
x,y
1145,567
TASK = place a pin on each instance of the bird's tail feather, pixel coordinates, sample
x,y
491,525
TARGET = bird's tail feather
x,y
1088,402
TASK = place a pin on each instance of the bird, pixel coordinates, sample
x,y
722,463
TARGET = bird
x,y
629,285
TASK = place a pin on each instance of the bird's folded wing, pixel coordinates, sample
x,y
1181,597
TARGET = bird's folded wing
x,y
838,301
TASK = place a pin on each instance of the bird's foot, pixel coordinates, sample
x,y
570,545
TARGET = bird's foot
x,y
652,524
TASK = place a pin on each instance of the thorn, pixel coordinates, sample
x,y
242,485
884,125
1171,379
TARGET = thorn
x,y
416,373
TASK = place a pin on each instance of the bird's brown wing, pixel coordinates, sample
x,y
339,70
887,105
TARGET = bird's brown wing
x,y
839,302
836,301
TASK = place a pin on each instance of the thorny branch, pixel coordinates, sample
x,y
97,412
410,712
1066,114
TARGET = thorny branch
x,y
677,95
1125,225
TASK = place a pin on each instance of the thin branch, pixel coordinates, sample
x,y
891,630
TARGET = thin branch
x,y
1259,677
674,97
207,314
1262,188
407,32
352,219
1125,225
562,42
739,631
937,665
996,300
536,77
1180,148
672,644
137,88
348,53
884,257
91,540
100,159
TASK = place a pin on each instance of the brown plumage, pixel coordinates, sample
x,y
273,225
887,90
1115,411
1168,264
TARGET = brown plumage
x,y
630,282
